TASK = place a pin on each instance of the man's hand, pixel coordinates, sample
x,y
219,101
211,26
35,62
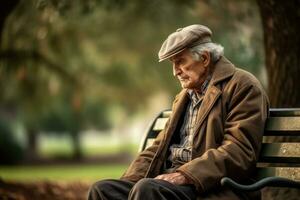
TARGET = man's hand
x,y
175,178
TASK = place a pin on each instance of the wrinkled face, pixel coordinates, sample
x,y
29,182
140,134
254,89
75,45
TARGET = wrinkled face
x,y
190,73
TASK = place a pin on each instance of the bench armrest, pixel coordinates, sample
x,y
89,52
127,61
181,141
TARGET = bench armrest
x,y
268,181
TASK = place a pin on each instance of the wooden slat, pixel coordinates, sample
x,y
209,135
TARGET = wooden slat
x,y
160,124
286,172
167,113
281,154
280,150
283,124
281,139
274,112
276,164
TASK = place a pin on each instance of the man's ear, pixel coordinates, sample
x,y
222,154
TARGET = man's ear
x,y
205,58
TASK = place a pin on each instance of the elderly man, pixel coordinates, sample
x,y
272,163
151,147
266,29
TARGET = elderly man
x,y
215,129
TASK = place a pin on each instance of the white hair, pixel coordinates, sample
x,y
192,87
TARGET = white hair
x,y
215,50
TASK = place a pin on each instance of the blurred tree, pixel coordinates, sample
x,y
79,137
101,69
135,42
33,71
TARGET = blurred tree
x,y
6,8
62,58
63,117
26,72
106,42
282,48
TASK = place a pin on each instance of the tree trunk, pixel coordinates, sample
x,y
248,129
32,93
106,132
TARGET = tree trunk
x,y
31,154
77,154
281,25
280,20
76,127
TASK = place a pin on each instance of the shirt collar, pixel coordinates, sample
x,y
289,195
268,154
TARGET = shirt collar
x,y
195,96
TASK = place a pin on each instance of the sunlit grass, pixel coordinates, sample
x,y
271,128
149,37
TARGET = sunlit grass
x,y
113,149
62,173
67,151
61,147
54,146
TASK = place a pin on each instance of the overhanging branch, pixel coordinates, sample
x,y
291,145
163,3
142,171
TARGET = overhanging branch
x,y
22,55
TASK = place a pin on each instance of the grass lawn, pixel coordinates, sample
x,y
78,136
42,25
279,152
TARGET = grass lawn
x,y
61,147
62,173
50,146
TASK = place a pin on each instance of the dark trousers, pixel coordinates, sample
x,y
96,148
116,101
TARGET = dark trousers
x,y
146,188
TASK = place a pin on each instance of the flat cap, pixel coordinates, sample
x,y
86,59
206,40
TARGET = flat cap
x,y
184,38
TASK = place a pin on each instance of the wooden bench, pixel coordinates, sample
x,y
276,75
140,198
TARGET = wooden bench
x,y
279,161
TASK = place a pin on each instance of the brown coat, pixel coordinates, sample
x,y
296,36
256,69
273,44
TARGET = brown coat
x,y
227,137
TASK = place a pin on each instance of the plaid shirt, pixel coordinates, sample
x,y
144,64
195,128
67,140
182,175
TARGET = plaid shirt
x,y
182,153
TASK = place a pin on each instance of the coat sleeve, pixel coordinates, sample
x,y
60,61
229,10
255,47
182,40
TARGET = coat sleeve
x,y
237,155
139,167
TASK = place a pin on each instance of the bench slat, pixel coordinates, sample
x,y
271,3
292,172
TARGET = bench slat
x,y
281,153
276,126
283,124
281,139
166,114
280,150
160,124
286,172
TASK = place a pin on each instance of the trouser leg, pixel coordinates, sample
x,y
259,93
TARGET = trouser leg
x,y
110,190
149,188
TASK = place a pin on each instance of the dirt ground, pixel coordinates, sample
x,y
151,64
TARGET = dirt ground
x,y
78,191
45,190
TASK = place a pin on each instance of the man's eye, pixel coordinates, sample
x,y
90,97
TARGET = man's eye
x,y
178,62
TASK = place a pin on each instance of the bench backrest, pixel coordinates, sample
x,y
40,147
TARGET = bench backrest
x,y
280,153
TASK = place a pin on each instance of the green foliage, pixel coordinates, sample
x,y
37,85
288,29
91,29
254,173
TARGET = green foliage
x,y
11,151
62,118
94,116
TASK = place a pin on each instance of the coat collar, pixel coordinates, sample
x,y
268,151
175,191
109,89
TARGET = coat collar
x,y
223,69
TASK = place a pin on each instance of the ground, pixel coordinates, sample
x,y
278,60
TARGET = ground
x,y
45,190
50,190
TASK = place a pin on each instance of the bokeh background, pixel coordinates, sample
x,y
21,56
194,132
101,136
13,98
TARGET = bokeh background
x,y
80,82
